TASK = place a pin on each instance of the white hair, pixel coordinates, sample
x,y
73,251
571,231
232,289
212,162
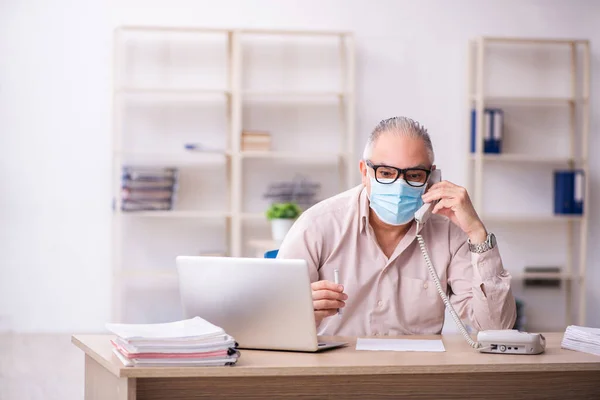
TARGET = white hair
x,y
400,126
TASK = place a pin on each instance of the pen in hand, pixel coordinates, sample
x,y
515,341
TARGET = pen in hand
x,y
336,279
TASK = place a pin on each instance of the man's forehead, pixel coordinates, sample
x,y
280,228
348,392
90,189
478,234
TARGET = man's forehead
x,y
400,152
388,163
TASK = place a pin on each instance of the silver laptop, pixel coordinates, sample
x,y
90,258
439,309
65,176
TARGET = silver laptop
x,y
263,303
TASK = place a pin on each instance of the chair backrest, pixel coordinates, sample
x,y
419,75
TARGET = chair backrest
x,y
271,254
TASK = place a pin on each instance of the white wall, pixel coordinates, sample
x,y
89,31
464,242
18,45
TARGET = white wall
x,y
55,121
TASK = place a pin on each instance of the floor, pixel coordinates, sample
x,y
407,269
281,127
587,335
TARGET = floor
x,y
40,366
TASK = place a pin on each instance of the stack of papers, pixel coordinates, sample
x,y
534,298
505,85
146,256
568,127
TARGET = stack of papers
x,y
193,342
582,339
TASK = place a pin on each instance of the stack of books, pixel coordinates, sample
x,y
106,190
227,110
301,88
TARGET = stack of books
x,y
192,342
148,188
581,338
256,141
300,190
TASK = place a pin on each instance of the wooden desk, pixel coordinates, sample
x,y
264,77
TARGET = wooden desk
x,y
345,373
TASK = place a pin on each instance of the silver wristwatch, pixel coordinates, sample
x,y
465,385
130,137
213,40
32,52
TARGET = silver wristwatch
x,y
489,243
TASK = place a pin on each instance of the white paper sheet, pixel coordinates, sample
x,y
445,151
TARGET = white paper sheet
x,y
190,328
400,345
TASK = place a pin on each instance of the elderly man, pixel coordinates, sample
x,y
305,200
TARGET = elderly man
x,y
368,234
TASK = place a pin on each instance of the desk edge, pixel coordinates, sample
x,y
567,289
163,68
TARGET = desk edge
x,y
116,371
226,372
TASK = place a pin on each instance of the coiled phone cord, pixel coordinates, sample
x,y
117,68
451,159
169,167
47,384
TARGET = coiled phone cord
x,y
443,295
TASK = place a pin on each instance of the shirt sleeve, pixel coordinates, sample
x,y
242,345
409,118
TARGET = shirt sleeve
x,y
481,292
304,242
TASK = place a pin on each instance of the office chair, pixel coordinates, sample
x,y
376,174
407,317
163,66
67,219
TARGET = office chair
x,y
271,254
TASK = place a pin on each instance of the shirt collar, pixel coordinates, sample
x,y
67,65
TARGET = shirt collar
x,y
363,210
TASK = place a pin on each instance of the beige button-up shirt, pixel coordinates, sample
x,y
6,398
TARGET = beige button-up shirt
x,y
396,296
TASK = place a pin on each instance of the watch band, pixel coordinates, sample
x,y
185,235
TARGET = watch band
x,y
479,248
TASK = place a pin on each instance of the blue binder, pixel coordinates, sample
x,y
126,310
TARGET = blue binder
x,y
569,192
497,130
492,133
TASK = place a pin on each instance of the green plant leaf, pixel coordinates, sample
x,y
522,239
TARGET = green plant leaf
x,y
283,211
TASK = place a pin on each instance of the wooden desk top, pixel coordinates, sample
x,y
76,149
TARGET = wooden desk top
x,y
457,358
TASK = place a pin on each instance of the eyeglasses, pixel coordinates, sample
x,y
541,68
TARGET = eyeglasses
x,y
385,174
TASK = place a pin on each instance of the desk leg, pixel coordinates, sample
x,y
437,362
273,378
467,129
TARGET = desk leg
x,y
100,384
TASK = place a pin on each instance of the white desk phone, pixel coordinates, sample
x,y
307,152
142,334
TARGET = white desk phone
x,y
507,341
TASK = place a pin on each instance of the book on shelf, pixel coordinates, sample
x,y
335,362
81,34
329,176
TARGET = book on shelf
x,y
146,194
159,184
148,188
569,188
256,134
299,190
142,205
255,147
149,174
493,130
542,276
192,342
256,141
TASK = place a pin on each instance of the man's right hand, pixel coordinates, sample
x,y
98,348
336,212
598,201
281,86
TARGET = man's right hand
x,y
327,298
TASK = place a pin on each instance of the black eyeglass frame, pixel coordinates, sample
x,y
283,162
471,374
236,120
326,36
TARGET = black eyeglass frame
x,y
401,172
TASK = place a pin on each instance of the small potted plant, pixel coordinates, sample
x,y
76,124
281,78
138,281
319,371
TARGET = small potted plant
x,y
282,217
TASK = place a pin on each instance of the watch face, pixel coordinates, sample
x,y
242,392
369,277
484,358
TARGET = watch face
x,y
492,240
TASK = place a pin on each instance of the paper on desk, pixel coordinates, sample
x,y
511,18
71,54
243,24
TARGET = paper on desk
x,y
400,345
194,328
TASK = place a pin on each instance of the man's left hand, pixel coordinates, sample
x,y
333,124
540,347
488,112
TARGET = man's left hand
x,y
454,203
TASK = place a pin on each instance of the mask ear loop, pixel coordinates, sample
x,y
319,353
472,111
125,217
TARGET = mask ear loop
x,y
370,177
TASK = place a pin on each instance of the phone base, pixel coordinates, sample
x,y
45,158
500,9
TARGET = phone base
x,y
511,341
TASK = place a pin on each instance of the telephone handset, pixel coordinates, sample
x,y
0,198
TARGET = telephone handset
x,y
423,213
506,341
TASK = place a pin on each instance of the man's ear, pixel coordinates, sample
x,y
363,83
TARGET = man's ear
x,y
363,171
433,167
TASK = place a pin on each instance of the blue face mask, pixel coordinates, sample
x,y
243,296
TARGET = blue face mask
x,y
395,203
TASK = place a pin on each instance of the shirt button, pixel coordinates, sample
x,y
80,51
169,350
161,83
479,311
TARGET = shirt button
x,y
425,285
380,303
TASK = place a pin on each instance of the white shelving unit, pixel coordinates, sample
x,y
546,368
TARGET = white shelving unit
x,y
175,80
573,100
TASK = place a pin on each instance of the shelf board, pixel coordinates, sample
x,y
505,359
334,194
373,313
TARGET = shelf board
x,y
294,32
193,29
294,94
295,156
132,90
180,158
521,40
178,214
158,28
523,100
526,219
526,158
